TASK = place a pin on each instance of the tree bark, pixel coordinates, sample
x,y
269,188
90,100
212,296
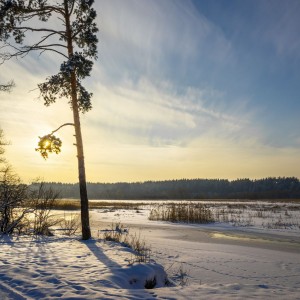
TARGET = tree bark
x,y
85,221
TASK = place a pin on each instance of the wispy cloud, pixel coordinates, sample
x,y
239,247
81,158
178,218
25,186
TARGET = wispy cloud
x,y
153,113
169,38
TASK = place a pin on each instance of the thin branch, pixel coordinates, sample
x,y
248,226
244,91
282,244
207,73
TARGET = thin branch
x,y
61,33
53,50
26,49
66,124
35,47
32,15
4,46
44,38
62,20
48,9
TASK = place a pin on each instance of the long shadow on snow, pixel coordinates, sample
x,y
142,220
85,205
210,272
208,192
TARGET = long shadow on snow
x,y
99,254
117,272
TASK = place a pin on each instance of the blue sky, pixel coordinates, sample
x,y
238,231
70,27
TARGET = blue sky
x,y
182,89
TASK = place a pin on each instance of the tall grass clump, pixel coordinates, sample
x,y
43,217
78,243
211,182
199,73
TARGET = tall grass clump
x,y
119,234
182,212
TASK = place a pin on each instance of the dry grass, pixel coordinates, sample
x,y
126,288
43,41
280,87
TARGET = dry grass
x,y
269,215
69,225
74,204
182,212
246,214
119,234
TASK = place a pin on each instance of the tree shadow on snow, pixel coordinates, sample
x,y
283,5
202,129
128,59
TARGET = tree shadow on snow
x,y
100,255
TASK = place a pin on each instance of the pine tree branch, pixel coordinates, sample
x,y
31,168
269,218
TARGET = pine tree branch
x,y
44,38
35,47
61,33
43,49
25,50
45,10
66,124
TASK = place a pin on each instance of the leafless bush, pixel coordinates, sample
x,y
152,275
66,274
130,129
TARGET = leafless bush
x,y
12,196
12,199
69,225
183,276
42,201
116,233
178,273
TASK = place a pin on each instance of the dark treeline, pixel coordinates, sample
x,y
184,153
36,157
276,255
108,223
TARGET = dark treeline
x,y
267,188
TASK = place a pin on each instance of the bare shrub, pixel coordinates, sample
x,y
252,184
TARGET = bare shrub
x,y
42,201
182,276
179,274
70,224
13,195
116,233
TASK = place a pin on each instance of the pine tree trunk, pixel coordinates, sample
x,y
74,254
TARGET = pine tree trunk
x,y
85,221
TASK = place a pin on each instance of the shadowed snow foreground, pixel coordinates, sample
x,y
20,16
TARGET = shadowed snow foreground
x,y
52,268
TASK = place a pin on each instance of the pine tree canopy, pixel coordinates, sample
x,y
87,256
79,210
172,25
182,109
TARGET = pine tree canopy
x,y
66,28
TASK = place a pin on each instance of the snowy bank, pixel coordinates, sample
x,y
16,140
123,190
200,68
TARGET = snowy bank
x,y
52,268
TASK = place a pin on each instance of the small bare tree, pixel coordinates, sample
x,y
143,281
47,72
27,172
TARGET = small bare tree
x,y
13,195
42,201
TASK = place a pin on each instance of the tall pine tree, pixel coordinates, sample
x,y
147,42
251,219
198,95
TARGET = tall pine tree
x,y
66,28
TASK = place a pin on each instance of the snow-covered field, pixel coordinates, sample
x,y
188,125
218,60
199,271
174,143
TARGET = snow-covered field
x,y
220,260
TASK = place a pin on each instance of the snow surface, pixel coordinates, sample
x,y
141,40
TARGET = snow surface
x,y
53,268
220,262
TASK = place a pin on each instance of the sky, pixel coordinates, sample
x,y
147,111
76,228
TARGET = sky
x,y
181,89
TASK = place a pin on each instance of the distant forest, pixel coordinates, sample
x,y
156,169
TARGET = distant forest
x,y
267,188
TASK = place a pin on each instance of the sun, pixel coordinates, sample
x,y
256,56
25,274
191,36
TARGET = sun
x,y
48,144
